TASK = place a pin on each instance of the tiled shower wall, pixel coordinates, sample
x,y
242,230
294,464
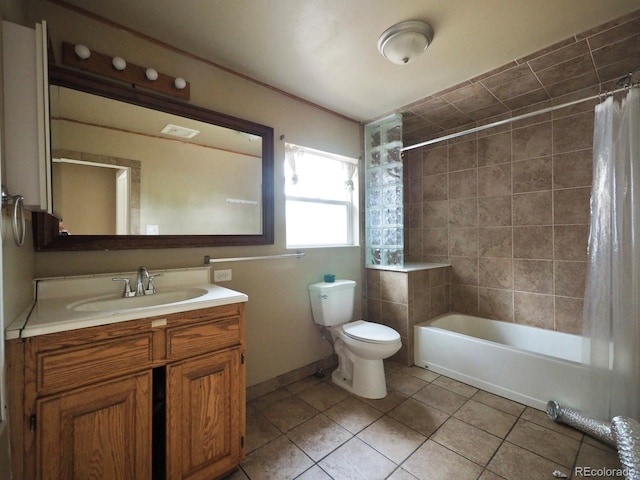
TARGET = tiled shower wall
x,y
402,299
508,208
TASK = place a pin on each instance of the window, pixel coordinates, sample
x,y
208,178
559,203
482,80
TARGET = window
x,y
321,198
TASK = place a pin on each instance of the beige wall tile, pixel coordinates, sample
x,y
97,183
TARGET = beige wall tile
x,y
494,180
533,309
434,187
570,278
463,156
463,241
435,214
463,184
532,175
396,316
495,304
570,242
494,211
373,283
532,141
569,313
464,270
571,206
495,273
533,208
495,242
573,169
533,242
435,241
535,276
435,160
394,286
494,149
464,299
463,212
573,133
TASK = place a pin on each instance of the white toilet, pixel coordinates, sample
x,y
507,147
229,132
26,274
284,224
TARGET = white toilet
x,y
361,346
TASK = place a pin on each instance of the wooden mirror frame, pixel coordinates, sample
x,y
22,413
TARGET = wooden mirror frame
x,y
45,226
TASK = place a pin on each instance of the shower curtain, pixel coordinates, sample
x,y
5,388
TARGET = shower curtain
x,y
611,324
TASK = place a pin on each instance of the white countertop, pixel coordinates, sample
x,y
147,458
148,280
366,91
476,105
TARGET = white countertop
x,y
52,310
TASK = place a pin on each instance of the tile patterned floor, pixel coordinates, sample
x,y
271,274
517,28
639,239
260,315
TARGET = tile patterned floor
x,y
429,427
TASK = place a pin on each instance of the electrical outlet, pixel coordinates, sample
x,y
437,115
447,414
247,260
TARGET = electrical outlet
x,y
222,275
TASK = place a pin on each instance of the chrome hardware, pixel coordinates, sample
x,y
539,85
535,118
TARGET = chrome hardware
x,y
17,217
139,288
324,297
127,286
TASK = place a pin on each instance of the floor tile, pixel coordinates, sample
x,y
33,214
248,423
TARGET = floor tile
x,y
314,473
542,419
499,403
259,430
401,474
591,458
485,417
403,383
455,386
391,438
432,461
547,443
353,414
277,460
487,475
421,373
514,463
440,398
385,404
237,475
303,384
265,401
355,460
467,440
419,416
289,413
324,395
318,436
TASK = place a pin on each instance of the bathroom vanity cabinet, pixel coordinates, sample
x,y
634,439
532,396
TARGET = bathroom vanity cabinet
x,y
158,397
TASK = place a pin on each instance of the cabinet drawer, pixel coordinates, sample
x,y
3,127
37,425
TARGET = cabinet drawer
x,y
71,367
202,337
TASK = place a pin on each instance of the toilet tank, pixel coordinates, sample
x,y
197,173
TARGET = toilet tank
x,y
332,302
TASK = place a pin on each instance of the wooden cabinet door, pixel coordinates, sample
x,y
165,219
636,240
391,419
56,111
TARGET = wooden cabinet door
x,y
205,415
99,432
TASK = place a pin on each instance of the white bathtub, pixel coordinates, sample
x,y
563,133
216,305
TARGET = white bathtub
x,y
526,364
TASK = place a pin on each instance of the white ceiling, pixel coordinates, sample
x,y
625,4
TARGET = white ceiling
x,y
325,51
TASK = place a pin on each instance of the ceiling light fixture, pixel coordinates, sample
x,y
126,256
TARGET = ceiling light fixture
x,y
405,41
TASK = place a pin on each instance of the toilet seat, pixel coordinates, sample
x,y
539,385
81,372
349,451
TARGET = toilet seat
x,y
370,332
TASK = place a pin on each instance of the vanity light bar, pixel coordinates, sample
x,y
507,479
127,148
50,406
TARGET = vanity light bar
x,y
118,68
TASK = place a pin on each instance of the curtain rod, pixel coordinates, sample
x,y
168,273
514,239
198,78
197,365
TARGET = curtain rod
x,y
208,260
514,119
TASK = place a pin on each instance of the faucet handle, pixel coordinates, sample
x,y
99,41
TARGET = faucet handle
x,y
127,286
151,287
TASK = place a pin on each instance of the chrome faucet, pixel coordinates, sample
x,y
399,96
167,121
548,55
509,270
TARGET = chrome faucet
x,y
140,277
139,288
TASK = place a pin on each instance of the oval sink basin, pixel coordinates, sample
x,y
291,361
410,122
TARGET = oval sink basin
x,y
115,303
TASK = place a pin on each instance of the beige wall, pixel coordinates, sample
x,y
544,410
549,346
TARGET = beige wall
x,y
509,209
280,333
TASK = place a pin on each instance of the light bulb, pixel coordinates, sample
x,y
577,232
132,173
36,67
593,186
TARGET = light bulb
x,y
82,51
151,74
180,83
119,63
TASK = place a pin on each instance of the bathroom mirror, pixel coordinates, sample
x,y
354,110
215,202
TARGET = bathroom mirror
x,y
132,169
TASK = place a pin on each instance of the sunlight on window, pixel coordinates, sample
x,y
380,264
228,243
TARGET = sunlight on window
x,y
320,189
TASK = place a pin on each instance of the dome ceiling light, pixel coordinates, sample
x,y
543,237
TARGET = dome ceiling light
x,y
405,41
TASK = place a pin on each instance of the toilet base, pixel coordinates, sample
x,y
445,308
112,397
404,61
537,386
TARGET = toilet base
x,y
368,379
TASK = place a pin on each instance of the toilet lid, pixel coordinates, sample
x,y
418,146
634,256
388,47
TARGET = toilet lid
x,y
370,332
